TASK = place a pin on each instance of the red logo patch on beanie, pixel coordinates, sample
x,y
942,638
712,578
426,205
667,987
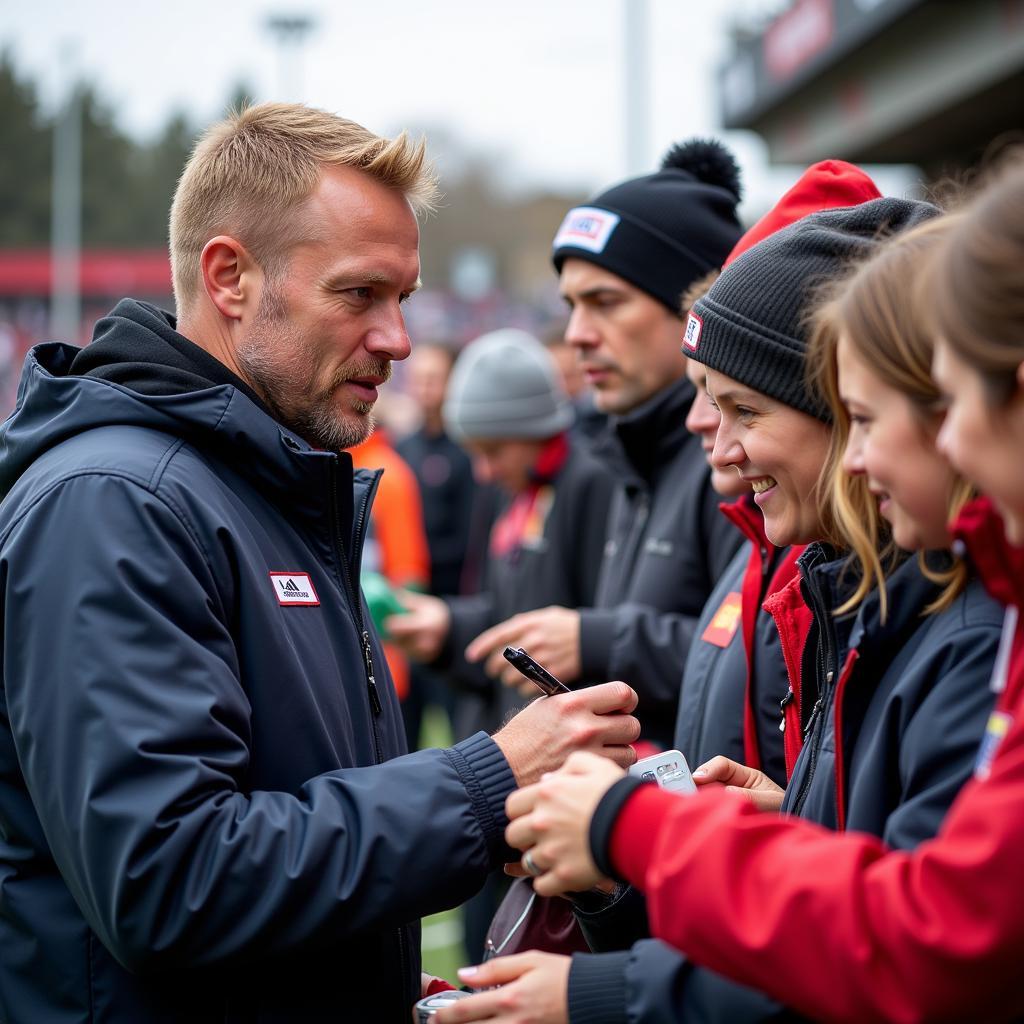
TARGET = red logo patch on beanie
x,y
691,336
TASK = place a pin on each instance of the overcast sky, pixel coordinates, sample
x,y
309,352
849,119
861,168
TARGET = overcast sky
x,y
537,84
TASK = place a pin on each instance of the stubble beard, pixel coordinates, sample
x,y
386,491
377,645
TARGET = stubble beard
x,y
274,361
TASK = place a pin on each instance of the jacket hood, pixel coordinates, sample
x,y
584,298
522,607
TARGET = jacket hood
x,y
980,534
53,405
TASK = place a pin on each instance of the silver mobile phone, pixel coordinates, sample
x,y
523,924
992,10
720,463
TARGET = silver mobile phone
x,y
668,769
534,671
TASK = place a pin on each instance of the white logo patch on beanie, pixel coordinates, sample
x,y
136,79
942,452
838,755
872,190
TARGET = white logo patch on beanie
x,y
691,336
586,227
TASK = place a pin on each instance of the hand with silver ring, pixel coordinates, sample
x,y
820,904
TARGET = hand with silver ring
x,y
529,866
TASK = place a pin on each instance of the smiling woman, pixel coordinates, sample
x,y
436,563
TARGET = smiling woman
x,y
778,451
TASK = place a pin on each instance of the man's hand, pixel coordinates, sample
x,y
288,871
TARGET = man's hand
x,y
422,630
546,732
534,990
738,778
552,821
551,635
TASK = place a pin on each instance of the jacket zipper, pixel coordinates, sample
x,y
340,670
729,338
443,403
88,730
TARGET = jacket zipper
x,y
783,704
826,675
353,597
364,636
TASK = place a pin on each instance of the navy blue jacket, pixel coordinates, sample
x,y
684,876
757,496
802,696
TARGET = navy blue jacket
x,y
195,823
912,703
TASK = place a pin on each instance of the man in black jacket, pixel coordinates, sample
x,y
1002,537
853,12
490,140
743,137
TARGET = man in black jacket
x,y
196,818
624,261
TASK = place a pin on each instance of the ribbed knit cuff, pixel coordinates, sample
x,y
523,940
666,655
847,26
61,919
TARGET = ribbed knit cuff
x,y
603,822
489,780
597,988
597,635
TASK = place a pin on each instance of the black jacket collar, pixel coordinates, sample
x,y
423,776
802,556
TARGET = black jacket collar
x,y
648,438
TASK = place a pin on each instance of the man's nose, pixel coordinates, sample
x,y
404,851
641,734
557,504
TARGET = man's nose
x,y
580,331
389,338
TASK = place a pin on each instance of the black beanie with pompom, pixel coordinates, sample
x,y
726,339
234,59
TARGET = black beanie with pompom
x,y
664,230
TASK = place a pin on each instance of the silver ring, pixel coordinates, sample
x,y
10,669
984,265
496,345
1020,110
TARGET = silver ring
x,y
529,866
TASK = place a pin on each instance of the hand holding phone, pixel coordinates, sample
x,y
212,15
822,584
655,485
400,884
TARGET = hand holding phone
x,y
534,671
668,769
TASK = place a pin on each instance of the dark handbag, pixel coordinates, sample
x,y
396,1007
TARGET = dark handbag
x,y
525,921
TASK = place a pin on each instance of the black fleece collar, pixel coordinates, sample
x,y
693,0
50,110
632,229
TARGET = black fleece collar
x,y
650,436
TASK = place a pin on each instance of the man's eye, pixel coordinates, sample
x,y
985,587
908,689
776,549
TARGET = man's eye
x,y
744,413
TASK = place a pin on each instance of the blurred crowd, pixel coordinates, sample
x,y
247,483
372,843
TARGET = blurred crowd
x,y
750,516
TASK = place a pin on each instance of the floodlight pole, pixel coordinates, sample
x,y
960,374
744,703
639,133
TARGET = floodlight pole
x,y
290,32
66,222
637,105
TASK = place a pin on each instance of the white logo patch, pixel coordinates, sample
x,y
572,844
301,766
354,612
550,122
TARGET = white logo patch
x,y
586,227
691,336
294,588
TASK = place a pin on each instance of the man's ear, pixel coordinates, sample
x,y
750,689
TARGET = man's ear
x,y
229,276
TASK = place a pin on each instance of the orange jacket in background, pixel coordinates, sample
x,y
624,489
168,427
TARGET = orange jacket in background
x,y
400,552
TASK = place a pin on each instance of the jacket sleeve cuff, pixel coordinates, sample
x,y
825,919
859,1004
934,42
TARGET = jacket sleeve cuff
x,y
633,832
597,638
597,988
489,780
603,822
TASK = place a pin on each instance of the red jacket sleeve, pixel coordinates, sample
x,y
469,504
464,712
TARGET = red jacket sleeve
x,y
837,925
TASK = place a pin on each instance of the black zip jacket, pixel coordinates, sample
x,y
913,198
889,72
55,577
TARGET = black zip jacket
x,y
667,546
196,822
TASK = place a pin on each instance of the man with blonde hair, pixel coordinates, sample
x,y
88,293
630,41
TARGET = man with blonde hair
x,y
196,818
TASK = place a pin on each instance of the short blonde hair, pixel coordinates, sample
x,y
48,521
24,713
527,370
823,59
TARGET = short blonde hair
x,y
249,174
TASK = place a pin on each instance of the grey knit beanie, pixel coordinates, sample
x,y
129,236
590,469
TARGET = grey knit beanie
x,y
505,386
752,324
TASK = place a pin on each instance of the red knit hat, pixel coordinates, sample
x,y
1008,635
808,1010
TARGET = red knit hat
x,y
824,185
